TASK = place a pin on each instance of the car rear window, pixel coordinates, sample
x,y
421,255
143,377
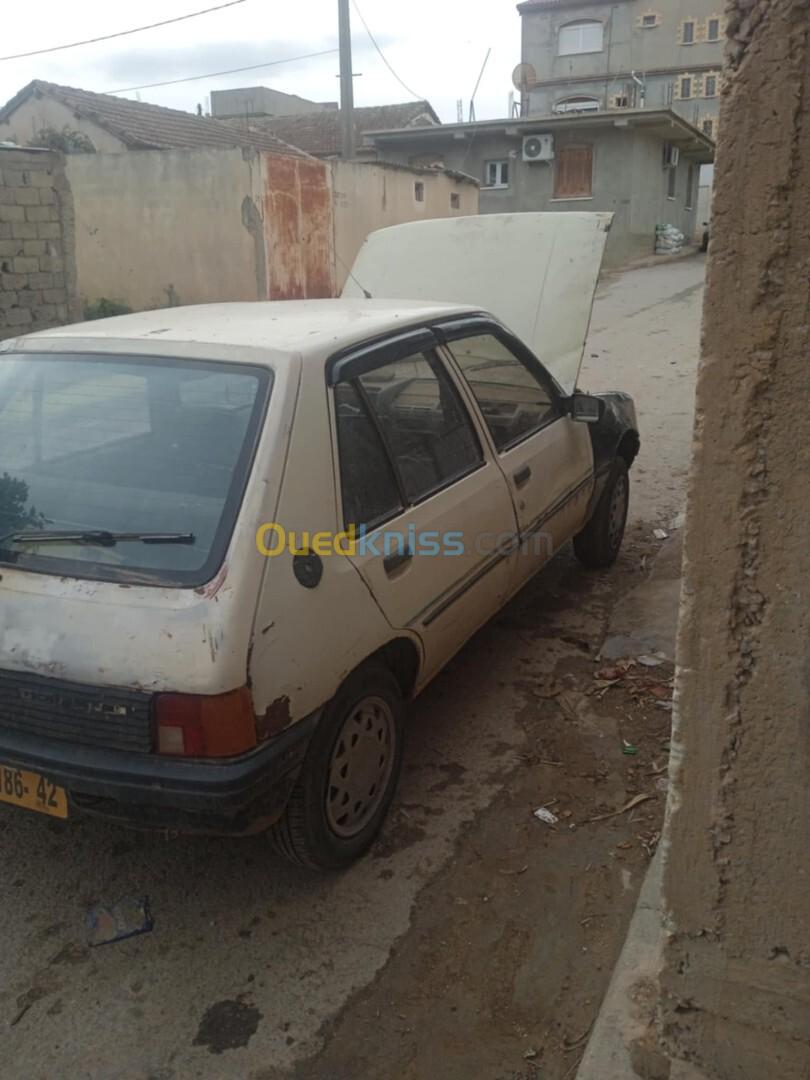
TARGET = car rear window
x,y
125,445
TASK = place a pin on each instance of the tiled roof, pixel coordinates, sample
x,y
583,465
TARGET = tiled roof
x,y
149,127
320,132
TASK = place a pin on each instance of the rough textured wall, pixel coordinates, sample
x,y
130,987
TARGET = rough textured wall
x,y
156,228
737,976
37,269
369,196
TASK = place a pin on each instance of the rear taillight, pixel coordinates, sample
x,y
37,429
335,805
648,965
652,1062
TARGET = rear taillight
x,y
191,725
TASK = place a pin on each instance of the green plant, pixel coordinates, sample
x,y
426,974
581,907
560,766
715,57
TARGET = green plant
x,y
67,140
104,308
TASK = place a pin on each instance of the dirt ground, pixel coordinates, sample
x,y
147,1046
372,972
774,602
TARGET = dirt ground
x,y
477,940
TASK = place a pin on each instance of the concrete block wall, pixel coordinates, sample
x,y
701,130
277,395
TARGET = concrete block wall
x,y
37,251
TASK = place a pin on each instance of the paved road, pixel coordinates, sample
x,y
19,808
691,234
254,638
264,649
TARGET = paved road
x,y
250,958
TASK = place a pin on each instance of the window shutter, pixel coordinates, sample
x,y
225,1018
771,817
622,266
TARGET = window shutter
x,y
574,172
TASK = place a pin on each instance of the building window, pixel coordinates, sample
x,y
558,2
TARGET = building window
x,y
685,87
649,20
620,101
419,191
496,174
707,127
672,182
573,173
713,29
688,32
690,188
455,200
710,86
577,104
580,37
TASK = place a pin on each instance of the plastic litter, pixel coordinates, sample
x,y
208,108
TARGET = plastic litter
x,y
668,240
660,534
545,815
128,918
650,661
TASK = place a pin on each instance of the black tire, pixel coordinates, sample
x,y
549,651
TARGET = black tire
x,y
599,543
317,829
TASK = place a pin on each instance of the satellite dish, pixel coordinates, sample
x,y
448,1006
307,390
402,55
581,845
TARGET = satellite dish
x,y
524,78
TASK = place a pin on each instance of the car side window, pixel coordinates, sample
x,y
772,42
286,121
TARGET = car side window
x,y
370,490
513,399
424,422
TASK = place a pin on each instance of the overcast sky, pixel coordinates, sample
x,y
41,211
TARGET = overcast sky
x,y
435,46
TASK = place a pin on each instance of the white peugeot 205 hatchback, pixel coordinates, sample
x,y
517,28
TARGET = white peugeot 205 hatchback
x,y
236,539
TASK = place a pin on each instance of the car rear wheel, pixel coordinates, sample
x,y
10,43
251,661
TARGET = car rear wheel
x,y
598,545
349,775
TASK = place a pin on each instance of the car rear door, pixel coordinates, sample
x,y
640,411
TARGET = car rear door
x,y
545,456
429,502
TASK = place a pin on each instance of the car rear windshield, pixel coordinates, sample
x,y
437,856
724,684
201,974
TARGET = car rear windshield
x,y
134,445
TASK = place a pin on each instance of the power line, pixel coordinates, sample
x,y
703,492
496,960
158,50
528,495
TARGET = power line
x,y
382,54
230,71
121,33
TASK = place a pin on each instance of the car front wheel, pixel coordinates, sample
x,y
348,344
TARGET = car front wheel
x,y
598,545
349,775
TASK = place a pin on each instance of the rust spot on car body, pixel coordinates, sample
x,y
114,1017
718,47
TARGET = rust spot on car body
x,y
210,590
275,719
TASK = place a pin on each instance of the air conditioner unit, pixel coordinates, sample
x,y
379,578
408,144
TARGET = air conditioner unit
x,y
538,148
672,156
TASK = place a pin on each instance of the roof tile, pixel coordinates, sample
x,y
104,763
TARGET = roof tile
x,y
151,127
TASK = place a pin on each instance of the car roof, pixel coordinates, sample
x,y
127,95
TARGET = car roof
x,y
291,327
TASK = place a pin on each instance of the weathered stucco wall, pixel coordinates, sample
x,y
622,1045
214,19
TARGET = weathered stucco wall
x,y
37,269
155,228
737,890
372,196
162,227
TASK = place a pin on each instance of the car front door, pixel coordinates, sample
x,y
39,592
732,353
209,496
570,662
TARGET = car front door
x,y
546,457
429,503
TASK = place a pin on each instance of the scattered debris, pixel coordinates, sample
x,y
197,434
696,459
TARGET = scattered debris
x,y
637,800
514,873
660,534
544,814
530,1054
628,748
126,919
652,660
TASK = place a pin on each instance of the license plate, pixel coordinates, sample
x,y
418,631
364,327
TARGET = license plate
x,y
32,792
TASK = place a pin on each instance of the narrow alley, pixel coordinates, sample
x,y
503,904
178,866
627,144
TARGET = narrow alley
x,y
474,929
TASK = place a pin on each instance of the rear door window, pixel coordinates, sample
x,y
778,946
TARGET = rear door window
x,y
417,434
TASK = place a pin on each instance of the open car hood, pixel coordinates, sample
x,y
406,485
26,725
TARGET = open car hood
x,y
537,273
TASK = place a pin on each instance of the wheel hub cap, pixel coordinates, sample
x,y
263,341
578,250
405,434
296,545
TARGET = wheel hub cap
x,y
360,767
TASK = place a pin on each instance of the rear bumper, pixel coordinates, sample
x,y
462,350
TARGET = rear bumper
x,y
237,795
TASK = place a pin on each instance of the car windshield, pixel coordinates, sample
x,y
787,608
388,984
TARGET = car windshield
x,y
138,452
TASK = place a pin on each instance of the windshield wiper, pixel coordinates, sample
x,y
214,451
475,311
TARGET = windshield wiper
x,y
95,536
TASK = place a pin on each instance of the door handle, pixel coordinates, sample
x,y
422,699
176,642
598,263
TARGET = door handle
x,y
392,563
522,476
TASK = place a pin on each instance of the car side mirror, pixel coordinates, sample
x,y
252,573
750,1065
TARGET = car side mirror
x,y
586,408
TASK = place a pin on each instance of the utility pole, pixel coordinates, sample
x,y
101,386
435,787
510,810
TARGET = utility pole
x,y
346,79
